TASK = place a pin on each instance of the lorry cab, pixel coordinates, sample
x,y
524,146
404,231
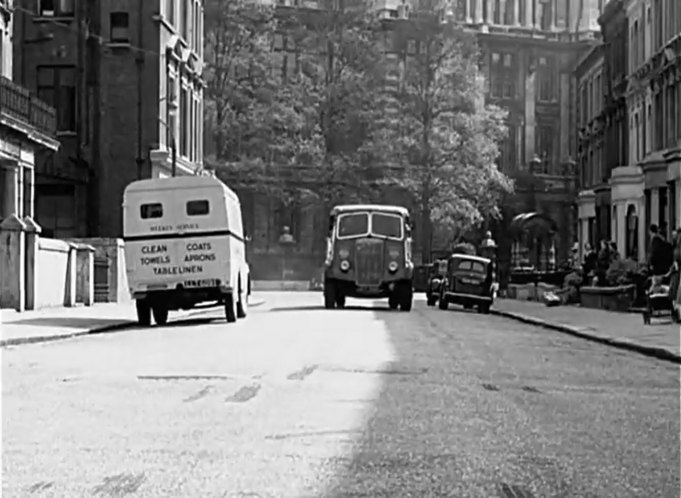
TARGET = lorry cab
x,y
369,255
184,245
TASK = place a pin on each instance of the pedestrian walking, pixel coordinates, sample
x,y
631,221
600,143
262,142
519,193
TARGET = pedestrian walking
x,y
603,262
656,252
590,260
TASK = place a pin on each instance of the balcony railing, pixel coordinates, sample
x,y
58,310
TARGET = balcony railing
x,y
18,103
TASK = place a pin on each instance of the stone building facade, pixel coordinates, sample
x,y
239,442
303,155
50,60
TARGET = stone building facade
x,y
635,179
125,78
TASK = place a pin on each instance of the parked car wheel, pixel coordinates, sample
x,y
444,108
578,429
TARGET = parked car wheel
x,y
431,299
143,312
160,314
484,308
442,302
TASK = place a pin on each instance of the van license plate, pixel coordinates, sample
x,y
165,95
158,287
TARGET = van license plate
x,y
193,284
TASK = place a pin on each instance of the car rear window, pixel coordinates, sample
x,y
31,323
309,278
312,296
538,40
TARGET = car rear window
x,y
154,210
198,208
475,266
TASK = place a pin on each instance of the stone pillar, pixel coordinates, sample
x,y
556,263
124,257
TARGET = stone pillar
x,y
32,248
528,13
71,280
515,16
490,12
470,7
85,264
530,119
12,266
478,11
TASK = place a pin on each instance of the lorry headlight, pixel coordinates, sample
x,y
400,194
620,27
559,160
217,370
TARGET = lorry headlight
x,y
345,265
392,266
343,254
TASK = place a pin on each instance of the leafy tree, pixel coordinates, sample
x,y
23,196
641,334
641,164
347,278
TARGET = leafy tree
x,y
444,137
263,136
340,73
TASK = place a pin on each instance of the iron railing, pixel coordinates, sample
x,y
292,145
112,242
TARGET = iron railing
x,y
18,103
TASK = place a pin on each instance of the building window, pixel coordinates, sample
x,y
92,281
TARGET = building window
x,y
119,27
56,8
184,121
502,75
546,18
182,21
187,20
631,249
57,87
497,12
546,77
544,147
170,11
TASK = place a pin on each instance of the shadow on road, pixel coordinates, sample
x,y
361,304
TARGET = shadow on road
x,y
445,427
65,322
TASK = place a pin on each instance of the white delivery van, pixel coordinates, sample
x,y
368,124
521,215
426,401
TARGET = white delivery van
x,y
184,245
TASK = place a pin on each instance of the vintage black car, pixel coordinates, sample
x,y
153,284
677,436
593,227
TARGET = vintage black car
x,y
438,270
469,281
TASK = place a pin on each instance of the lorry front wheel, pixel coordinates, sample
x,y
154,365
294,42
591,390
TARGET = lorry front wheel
x,y
143,312
160,314
230,311
330,294
406,296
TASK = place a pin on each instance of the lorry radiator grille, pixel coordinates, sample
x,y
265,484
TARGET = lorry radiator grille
x,y
369,261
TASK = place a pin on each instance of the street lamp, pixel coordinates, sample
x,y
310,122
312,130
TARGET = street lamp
x,y
286,240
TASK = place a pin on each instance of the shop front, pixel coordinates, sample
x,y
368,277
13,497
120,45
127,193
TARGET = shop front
x,y
586,215
656,193
628,203
673,160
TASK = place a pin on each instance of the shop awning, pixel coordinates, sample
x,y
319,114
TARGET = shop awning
x,y
534,222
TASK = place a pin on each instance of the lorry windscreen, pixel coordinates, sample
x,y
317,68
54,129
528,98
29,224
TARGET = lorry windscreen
x,y
386,225
353,225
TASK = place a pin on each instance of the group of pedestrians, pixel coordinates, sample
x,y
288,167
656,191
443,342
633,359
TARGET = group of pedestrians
x,y
596,263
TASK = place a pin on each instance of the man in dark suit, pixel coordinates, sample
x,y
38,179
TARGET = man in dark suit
x,y
657,253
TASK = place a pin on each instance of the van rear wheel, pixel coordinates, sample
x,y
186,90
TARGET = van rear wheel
x,y
160,314
143,312
242,306
230,308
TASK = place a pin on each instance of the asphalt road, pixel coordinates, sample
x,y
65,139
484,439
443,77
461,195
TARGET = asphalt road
x,y
297,401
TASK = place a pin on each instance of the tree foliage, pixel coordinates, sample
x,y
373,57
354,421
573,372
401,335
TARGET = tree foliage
x,y
263,132
444,138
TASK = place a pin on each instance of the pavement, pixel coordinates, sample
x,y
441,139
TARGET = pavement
x,y
50,324
298,401
660,339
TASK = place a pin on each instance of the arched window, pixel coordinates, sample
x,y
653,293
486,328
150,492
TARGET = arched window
x,y
632,233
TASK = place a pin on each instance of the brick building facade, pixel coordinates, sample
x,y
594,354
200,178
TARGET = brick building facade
x,y
27,128
125,77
